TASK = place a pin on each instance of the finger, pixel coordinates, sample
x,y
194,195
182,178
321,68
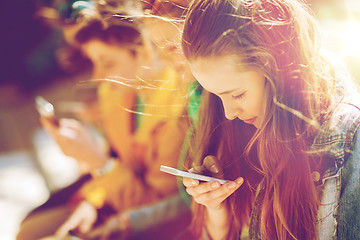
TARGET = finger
x,y
211,164
214,198
190,182
203,188
70,224
196,169
214,202
68,133
85,225
231,188
69,123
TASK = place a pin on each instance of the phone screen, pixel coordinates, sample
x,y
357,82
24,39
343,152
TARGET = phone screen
x,y
180,173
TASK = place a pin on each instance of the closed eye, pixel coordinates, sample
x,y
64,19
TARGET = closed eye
x,y
238,96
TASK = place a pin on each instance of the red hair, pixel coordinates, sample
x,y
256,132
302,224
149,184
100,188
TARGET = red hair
x,y
279,39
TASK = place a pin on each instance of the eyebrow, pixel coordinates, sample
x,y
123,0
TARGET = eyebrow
x,y
229,91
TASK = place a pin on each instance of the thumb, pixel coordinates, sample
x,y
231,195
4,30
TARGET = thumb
x,y
211,164
85,225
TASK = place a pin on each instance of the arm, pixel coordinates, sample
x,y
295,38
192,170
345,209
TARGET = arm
x,y
126,188
165,210
349,206
144,218
157,140
164,148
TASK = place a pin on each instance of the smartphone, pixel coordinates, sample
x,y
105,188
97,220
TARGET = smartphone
x,y
200,177
45,109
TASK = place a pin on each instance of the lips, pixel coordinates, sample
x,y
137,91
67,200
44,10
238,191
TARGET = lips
x,y
250,121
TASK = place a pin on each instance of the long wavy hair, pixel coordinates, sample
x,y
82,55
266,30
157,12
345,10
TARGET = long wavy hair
x,y
278,38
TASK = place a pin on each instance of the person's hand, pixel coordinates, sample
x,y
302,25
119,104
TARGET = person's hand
x,y
81,219
76,141
210,194
118,224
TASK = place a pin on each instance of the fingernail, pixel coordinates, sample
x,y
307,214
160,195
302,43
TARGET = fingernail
x,y
193,182
215,184
239,181
231,185
214,169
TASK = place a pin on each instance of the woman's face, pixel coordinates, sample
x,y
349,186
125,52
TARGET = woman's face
x,y
242,91
166,36
111,60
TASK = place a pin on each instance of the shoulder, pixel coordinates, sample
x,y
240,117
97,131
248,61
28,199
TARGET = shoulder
x,y
344,118
337,134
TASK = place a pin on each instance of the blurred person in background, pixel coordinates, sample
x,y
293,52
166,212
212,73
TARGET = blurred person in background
x,y
144,120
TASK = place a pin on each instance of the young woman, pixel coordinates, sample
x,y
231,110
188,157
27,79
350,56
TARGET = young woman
x,y
144,118
278,118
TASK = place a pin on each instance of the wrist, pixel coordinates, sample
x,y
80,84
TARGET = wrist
x,y
217,222
217,215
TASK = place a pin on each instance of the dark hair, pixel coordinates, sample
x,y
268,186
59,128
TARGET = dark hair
x,y
119,34
112,22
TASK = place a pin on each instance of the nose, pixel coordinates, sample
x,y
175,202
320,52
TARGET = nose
x,y
231,110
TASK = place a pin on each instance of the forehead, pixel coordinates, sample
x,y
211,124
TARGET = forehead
x,y
96,47
222,74
97,50
215,66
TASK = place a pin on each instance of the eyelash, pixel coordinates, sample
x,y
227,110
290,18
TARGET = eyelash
x,y
238,96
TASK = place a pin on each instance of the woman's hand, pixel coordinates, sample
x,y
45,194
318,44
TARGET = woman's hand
x,y
76,141
212,195
82,219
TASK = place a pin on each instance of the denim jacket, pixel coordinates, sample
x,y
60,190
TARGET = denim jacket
x,y
339,184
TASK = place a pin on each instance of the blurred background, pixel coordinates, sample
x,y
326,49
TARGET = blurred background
x,y
31,165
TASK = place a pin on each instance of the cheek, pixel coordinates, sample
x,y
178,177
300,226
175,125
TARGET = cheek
x,y
260,101
126,66
126,70
256,105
